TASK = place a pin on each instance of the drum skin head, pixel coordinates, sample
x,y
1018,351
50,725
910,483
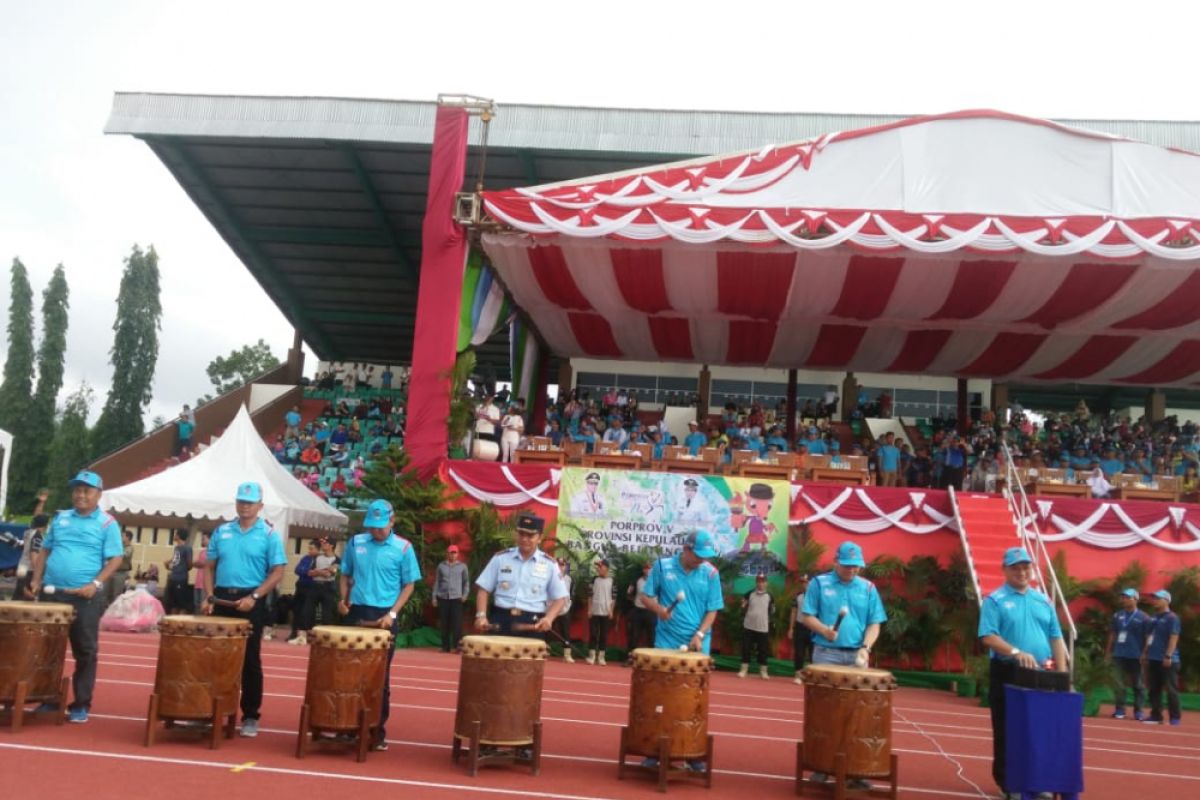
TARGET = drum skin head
x,y
22,611
196,625
506,647
661,660
853,678
348,637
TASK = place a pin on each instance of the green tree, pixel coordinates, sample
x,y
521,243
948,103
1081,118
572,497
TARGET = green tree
x,y
17,387
29,463
134,353
69,448
229,372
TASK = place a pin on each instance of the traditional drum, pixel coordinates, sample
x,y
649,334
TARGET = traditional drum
x,y
347,668
500,701
847,724
668,711
199,673
33,647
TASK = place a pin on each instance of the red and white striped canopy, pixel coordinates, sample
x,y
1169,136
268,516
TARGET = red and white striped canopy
x,y
975,244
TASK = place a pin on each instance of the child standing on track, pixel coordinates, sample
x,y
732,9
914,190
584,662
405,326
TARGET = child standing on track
x,y
759,607
600,613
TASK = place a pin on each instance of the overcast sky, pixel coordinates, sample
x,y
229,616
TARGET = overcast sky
x,y
70,194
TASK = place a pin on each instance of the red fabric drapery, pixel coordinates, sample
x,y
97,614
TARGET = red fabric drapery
x,y
443,257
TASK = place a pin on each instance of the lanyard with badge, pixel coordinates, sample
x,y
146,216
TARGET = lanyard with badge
x,y
1122,634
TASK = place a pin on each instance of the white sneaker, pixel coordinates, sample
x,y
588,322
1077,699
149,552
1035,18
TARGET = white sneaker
x,y
591,659
742,672
762,673
249,728
567,657
600,659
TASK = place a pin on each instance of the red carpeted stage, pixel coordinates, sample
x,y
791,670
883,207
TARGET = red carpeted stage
x,y
943,741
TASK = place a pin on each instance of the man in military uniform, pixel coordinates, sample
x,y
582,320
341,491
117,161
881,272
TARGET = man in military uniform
x,y
81,550
245,562
379,573
529,591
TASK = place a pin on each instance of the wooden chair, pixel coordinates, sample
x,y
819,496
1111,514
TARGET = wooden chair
x,y
574,450
645,451
857,462
816,460
739,457
673,451
604,448
710,454
540,443
775,472
693,465
554,457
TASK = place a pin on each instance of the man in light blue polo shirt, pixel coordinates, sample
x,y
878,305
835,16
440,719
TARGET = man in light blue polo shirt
x,y
1019,625
695,440
889,460
81,550
844,613
685,621
379,572
245,562
529,590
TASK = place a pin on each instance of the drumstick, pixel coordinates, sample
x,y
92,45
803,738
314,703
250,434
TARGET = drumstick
x,y
679,598
837,623
216,601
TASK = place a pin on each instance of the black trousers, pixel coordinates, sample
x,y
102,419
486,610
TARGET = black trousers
x,y
801,646
952,476
322,595
562,624
179,597
1130,671
640,628
754,640
300,620
598,633
1000,674
504,621
84,636
1163,677
252,676
371,614
450,615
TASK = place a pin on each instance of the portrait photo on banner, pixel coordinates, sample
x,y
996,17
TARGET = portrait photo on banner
x,y
655,510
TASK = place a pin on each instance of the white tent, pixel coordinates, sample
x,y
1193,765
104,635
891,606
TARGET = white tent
x,y
205,485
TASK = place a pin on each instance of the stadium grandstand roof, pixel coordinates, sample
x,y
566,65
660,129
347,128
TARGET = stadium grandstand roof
x,y
322,198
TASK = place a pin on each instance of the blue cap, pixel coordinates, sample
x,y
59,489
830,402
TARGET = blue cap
x,y
249,492
850,555
86,478
1163,594
379,514
701,543
1016,555
1131,593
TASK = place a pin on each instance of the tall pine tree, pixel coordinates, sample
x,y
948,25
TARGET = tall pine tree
x,y
68,451
29,462
134,353
17,386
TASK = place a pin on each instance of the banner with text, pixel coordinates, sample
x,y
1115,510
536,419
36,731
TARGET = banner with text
x,y
656,510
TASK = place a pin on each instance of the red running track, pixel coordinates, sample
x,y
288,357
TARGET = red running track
x,y
944,742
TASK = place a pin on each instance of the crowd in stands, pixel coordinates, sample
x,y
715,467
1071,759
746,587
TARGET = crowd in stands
x,y
331,454
1080,443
